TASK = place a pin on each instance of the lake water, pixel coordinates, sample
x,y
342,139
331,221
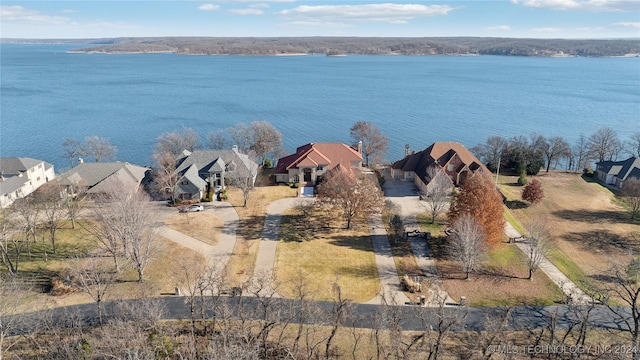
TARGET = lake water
x,y
48,95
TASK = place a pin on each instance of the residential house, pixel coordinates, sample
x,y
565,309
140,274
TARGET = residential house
x,y
204,171
311,161
451,157
20,177
97,177
616,172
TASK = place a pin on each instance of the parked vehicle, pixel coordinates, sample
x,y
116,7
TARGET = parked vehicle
x,y
192,208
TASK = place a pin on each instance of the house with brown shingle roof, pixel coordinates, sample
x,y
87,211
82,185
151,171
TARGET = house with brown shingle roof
x,y
451,157
311,161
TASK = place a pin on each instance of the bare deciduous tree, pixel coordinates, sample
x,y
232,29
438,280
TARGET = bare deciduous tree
x,y
631,195
467,244
165,176
352,194
554,149
72,150
50,198
243,178
438,190
241,136
374,143
11,242
216,140
99,148
339,312
604,144
127,222
95,278
634,144
265,138
491,152
12,294
580,152
175,142
538,245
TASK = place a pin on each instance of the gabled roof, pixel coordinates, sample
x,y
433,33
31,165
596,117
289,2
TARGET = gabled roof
x,y
439,153
191,174
620,169
209,161
14,166
328,155
92,175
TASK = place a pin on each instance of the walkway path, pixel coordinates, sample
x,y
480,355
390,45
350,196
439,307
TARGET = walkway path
x,y
390,288
568,287
217,255
404,194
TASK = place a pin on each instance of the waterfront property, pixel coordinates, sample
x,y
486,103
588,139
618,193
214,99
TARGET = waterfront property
x,y
97,178
617,172
204,171
311,162
20,176
452,157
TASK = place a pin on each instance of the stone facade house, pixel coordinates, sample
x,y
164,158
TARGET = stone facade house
x,y
204,171
451,157
20,177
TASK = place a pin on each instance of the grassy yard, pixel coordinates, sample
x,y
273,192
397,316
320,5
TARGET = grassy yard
x,y
252,218
502,280
203,226
318,244
591,231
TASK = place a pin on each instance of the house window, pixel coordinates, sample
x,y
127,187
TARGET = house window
x,y
33,169
185,182
319,168
38,179
40,166
296,178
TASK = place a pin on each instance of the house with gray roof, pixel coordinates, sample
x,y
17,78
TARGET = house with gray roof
x,y
617,172
96,178
204,171
20,177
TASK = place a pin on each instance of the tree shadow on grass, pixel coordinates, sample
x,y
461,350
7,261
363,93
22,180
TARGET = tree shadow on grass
x,y
516,204
603,241
591,216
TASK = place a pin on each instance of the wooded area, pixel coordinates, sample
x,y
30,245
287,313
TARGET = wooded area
x,y
356,45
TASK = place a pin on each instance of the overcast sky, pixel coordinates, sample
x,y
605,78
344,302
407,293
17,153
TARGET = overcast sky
x,y
499,18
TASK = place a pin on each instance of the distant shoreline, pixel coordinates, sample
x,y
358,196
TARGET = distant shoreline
x,y
341,46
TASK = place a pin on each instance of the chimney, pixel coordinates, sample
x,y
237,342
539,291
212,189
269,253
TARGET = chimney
x,y
406,150
80,161
360,147
234,148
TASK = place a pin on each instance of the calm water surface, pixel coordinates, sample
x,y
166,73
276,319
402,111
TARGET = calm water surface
x,y
48,95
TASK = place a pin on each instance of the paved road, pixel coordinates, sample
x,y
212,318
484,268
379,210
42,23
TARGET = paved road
x,y
404,194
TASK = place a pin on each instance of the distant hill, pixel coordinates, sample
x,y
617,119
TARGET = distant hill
x,y
357,45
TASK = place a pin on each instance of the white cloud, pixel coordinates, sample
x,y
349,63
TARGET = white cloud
x,y
69,11
16,13
587,5
498,28
547,30
628,24
209,7
259,6
391,13
322,24
246,11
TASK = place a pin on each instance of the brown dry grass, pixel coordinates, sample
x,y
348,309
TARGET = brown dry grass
x,y
318,244
252,218
203,226
502,281
591,231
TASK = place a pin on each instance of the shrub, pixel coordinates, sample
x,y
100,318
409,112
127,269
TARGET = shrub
x,y
267,163
532,192
522,179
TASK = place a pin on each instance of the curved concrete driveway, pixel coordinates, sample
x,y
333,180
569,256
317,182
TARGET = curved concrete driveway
x,y
216,255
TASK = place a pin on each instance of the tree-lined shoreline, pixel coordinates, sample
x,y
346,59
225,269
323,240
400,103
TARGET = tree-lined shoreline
x,y
353,46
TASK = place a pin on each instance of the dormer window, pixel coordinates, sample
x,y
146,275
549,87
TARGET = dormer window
x,y
319,168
